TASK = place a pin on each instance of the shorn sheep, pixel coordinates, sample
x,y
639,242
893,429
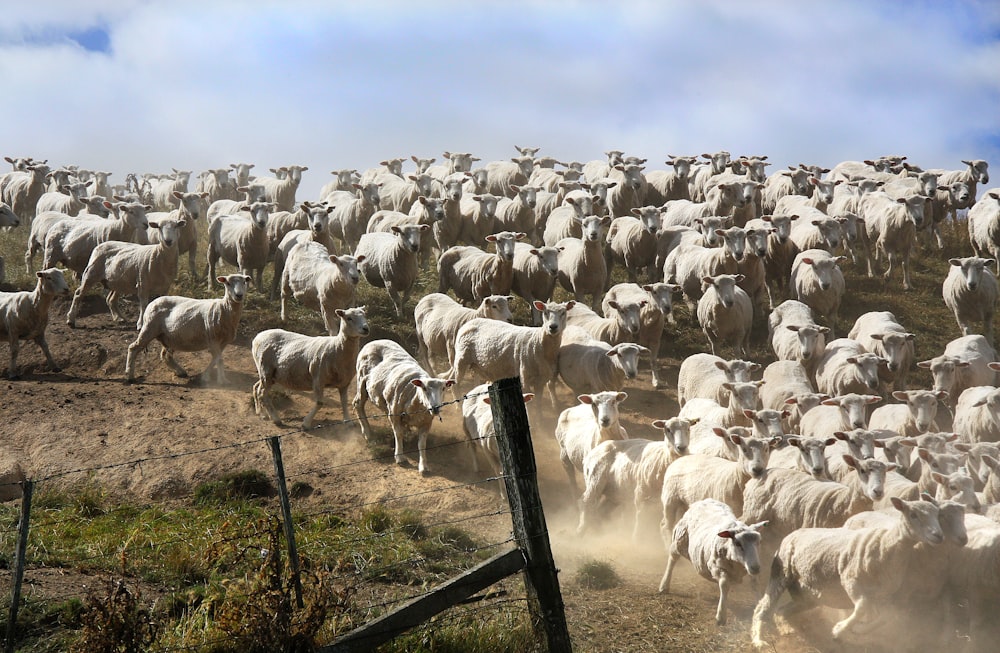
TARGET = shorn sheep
x,y
320,281
588,365
240,242
389,260
185,324
438,318
970,291
25,315
582,427
725,313
302,362
396,384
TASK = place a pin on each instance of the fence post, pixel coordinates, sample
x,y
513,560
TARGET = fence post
x,y
19,556
286,513
510,421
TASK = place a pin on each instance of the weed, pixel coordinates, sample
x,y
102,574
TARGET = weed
x,y
597,575
115,620
247,484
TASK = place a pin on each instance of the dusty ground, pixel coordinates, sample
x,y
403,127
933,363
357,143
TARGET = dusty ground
x,y
86,417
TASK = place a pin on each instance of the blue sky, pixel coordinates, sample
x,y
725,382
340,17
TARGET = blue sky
x,y
143,86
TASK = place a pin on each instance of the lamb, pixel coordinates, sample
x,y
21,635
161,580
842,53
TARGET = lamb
x,y
397,386
473,274
240,242
963,364
721,548
282,191
349,214
632,241
819,283
795,336
891,227
319,281
24,315
163,189
621,326
317,230
917,414
781,252
534,275
705,375
665,185
438,318
493,350
881,333
584,426
518,213
588,365
241,173
302,362
70,242
977,414
632,468
389,260
652,316
185,324
970,291
582,267
984,224
124,268
866,567
725,312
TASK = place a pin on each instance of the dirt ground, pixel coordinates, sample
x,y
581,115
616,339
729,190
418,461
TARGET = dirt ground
x,y
85,417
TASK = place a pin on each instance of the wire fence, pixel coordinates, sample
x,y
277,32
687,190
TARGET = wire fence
x,y
382,559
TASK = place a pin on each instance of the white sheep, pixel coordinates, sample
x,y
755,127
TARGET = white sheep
x,y
839,413
915,415
984,224
881,333
582,427
793,181
493,350
815,230
976,172
652,316
163,189
438,318
621,325
70,242
503,177
977,414
21,189
399,194
805,454
216,184
125,268
344,179
787,386
279,223
190,207
689,263
664,185
891,227
473,274
448,230
251,193
970,291
720,201
632,242
43,222
398,387
964,363
725,313
185,324
795,336
478,217
389,260
518,213
320,281
65,200
535,271
631,469
866,567
563,221
818,282
704,375
349,213
477,424
821,198
721,548
582,267
317,230
588,365
241,242
282,191
301,362
24,315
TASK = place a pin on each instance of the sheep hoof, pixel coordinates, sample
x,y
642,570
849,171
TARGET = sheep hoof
x,y
56,369
71,324
402,462
425,472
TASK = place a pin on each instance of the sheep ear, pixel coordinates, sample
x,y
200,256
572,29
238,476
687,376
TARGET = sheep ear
x,y
417,382
585,399
899,505
659,423
222,280
154,225
900,395
924,364
759,525
727,535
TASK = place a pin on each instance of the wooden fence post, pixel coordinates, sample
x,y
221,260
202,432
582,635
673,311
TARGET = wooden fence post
x,y
19,561
510,421
286,513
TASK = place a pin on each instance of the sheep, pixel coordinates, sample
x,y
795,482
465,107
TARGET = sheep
x,y
43,222
582,267
793,181
317,230
252,193
804,454
282,191
426,210
970,291
438,318
588,365
398,387
721,548
744,397
319,281
477,424
818,282
984,224
349,214
518,213
20,190
781,252
891,226
399,194
839,413
695,477
478,218
717,164
457,162
240,242
215,183
758,238
725,312
977,414
390,261
389,167
503,177
343,180
124,268
564,220
185,324
652,316
787,386
302,362
190,207
917,414
977,172
632,242
963,364
858,569
627,188
881,333
689,264
946,200
982,459
821,198
241,173
665,185
70,242
474,274
582,427
281,222
163,189
704,375
621,326
66,200
535,270
25,315
814,230
720,201
795,336
494,350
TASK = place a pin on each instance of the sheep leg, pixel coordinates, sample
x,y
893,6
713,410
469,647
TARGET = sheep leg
x,y
669,572
44,346
359,407
422,466
192,260
213,258
570,472
12,370
594,489
398,431
720,610
343,402
907,285
286,290
765,607
216,362
857,619
29,257
167,356
307,422
396,302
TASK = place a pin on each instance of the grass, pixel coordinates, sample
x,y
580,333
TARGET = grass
x,y
597,575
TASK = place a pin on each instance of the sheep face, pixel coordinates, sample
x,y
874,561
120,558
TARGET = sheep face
x,y
872,474
712,228
959,486
958,193
353,322
745,546
914,208
488,204
346,176
526,164
920,519
191,203
734,240
979,170
591,226
528,195
554,316
811,338
134,213
767,422
951,516
431,392
848,227
604,406
676,433
260,212
169,231
452,190
53,282
682,166
393,166
649,216
505,241
923,406
972,269
319,220
754,452
236,286
599,192
853,406
757,240
548,258
730,194
460,161
747,192
725,288
897,348
661,295
410,235
745,394
633,175
812,455
782,226
348,267
628,314
628,357
720,160
824,189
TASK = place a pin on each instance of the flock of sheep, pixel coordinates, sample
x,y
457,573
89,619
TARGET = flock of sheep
x,y
880,510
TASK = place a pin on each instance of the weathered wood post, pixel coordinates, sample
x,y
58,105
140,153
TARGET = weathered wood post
x,y
19,561
286,513
510,421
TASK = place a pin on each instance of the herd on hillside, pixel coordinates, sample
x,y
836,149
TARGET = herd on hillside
x,y
886,511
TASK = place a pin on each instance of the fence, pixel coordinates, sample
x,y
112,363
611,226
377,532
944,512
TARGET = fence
x,y
527,550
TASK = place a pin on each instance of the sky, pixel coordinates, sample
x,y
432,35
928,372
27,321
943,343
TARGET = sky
x,y
142,86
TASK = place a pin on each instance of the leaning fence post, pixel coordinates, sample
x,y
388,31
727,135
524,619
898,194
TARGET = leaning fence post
x,y
510,421
286,513
19,556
